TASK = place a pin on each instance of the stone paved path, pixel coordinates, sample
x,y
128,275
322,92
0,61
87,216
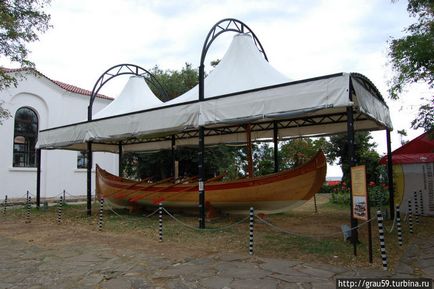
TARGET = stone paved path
x,y
28,263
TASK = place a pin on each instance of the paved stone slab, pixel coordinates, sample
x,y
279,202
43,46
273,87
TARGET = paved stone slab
x,y
216,282
268,283
279,266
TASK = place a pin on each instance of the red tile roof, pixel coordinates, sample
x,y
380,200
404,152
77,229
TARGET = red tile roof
x,y
65,86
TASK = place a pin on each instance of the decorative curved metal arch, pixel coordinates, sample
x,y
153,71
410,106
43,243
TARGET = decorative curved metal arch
x,y
225,25
122,69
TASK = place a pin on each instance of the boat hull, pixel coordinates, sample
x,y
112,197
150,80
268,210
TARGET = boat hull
x,y
268,194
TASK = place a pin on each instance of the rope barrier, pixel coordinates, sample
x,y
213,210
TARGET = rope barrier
x,y
151,214
311,236
381,237
206,229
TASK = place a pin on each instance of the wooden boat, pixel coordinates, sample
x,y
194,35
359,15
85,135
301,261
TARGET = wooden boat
x,y
268,194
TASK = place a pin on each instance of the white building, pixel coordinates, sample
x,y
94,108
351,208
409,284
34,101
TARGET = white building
x,y
38,103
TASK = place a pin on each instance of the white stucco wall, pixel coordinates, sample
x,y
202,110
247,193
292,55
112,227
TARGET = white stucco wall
x,y
54,107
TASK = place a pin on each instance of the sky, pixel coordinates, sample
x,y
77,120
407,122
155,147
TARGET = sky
x,y
302,39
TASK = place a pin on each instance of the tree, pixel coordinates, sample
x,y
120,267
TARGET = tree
x,y
337,150
412,58
175,82
20,23
296,152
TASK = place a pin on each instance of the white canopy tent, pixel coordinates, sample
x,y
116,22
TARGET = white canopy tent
x,y
243,94
243,88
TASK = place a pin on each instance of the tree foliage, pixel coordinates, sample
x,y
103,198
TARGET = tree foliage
x,y
412,58
337,151
175,82
20,23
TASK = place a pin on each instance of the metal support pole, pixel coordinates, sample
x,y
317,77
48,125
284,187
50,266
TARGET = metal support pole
x,y
201,153
249,151
173,157
38,178
201,167
382,243
390,175
251,226
351,154
120,155
276,146
89,178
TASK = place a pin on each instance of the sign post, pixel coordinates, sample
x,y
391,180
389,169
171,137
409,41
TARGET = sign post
x,y
360,197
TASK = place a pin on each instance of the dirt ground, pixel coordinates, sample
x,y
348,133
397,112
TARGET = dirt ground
x,y
307,235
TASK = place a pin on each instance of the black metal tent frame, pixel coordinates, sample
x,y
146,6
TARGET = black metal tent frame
x,y
348,116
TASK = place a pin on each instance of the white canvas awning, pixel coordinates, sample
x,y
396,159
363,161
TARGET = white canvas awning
x,y
136,95
243,89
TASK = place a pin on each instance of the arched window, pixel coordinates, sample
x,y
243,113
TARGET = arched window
x,y
25,137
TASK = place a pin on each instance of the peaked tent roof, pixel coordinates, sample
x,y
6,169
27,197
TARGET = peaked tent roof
x,y
135,96
418,150
251,71
243,89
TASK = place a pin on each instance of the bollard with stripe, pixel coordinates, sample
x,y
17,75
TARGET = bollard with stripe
x,y
59,211
28,205
421,202
160,222
398,225
5,204
410,217
416,209
251,226
381,236
101,212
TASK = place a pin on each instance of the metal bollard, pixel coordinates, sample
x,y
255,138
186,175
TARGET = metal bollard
x,y
381,236
101,211
5,204
421,202
28,205
398,225
251,226
410,217
59,211
416,209
160,222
